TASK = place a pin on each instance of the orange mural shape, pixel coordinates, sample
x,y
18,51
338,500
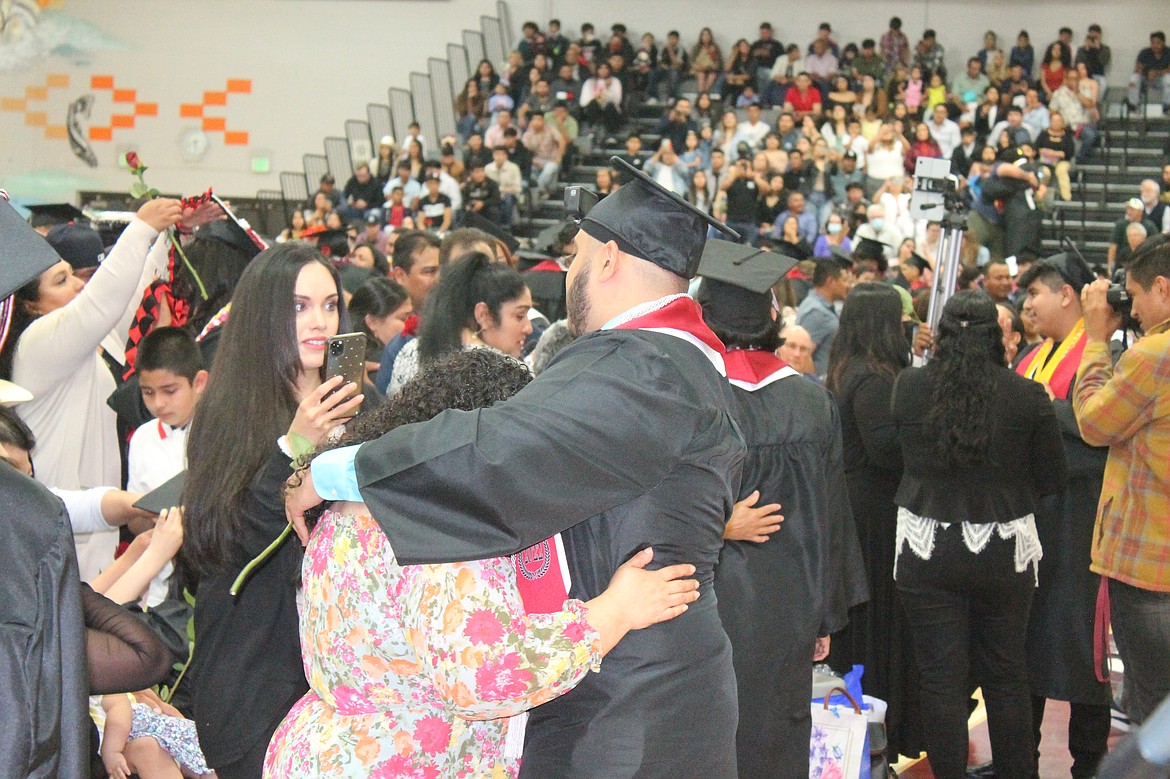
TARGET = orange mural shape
x,y
35,93
124,121
234,86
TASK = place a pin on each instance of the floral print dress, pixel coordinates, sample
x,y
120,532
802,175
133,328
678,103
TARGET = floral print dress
x,y
418,671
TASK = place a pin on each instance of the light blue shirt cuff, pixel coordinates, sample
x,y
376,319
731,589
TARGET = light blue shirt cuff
x,y
335,475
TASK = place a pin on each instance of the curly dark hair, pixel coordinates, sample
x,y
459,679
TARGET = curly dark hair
x,y
968,353
466,380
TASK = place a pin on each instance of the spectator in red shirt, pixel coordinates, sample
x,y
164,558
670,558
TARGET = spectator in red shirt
x,y
802,100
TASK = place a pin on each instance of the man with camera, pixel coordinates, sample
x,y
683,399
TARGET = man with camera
x,y
1127,408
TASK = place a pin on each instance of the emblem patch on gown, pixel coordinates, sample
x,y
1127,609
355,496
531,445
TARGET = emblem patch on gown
x,y
542,576
534,561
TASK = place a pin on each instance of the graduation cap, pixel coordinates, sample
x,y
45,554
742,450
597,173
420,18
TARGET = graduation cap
x,y
164,496
233,231
648,221
49,214
472,219
845,258
918,261
737,284
78,244
1072,268
353,277
334,244
869,249
24,253
552,239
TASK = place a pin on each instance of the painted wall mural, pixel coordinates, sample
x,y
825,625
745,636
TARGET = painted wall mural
x,y
97,107
33,30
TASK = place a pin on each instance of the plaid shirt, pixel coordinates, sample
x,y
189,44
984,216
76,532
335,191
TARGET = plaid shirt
x,y
1127,408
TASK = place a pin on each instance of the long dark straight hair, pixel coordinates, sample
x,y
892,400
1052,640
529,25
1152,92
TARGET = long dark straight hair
x,y
250,400
968,355
870,332
450,307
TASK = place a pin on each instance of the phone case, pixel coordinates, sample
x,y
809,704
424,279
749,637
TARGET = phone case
x,y
345,355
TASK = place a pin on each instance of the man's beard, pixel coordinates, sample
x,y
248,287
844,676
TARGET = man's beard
x,y
578,302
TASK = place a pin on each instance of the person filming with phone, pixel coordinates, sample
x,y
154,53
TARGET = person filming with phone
x,y
1127,408
265,402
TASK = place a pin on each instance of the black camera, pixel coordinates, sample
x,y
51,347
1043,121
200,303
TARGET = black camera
x,y
1118,297
578,201
336,348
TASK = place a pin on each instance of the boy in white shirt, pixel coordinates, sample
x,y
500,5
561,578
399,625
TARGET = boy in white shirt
x,y
172,378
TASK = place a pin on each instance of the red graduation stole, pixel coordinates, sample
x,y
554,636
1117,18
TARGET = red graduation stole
x,y
683,318
1060,375
547,265
753,369
542,576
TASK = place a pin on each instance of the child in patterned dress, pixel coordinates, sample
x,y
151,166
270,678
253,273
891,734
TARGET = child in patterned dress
x,y
127,720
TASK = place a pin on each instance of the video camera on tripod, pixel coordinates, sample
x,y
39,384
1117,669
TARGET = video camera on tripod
x,y
936,199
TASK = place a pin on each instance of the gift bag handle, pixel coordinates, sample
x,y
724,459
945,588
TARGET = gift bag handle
x,y
843,691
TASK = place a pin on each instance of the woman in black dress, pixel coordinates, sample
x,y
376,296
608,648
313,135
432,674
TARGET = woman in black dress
x,y
265,402
980,444
869,351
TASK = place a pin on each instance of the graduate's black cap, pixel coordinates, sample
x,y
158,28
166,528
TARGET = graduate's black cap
x,y
164,496
746,267
648,221
845,258
78,244
24,253
334,244
48,214
229,232
1071,268
353,277
869,249
234,231
552,239
472,219
918,261
736,292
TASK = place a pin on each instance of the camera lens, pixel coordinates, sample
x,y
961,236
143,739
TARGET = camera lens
x,y
335,348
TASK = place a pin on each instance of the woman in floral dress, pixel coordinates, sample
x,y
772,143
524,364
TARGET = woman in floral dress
x,y
423,670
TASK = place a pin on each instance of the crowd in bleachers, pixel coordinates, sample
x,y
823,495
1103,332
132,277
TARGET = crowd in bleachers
x,y
125,366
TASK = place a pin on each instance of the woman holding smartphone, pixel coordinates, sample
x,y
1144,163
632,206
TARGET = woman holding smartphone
x,y
265,400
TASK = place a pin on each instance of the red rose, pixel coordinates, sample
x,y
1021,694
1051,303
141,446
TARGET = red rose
x,y
132,160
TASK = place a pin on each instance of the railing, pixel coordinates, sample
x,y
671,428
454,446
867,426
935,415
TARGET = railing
x,y
429,101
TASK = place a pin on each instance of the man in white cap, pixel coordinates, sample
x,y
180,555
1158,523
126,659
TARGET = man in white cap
x,y
1135,212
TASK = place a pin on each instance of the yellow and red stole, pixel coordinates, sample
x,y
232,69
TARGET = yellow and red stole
x,y
1056,370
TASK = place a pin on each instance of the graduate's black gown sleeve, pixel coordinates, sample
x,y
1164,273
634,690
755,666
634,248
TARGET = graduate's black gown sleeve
x,y
44,722
601,426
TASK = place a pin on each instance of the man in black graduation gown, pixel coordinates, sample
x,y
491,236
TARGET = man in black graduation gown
x,y
1061,625
780,598
624,441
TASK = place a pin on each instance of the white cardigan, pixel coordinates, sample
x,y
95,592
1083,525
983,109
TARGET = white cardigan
x,y
57,360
